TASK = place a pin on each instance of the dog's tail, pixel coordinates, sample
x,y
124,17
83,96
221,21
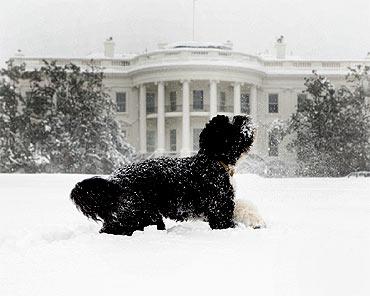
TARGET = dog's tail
x,y
95,197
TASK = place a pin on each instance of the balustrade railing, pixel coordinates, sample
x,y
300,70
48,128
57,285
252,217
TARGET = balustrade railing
x,y
192,108
225,108
199,108
151,109
173,108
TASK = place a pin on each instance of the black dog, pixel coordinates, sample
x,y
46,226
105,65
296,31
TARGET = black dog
x,y
141,194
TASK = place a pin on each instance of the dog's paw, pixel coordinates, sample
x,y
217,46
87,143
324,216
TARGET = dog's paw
x,y
246,213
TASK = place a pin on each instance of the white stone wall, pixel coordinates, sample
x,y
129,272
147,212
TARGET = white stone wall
x,y
204,67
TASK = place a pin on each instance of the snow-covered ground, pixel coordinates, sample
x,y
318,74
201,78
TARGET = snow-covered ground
x,y
317,243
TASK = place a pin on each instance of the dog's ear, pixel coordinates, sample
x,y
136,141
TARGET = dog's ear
x,y
245,126
215,137
244,123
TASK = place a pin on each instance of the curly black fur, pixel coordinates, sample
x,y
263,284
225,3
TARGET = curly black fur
x,y
141,194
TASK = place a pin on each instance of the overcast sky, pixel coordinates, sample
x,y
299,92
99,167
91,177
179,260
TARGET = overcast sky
x,y
312,28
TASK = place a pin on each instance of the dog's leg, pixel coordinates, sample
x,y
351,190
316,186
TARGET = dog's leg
x,y
127,217
160,224
245,212
220,212
153,219
115,228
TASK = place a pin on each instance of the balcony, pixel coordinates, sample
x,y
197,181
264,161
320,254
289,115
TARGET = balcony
x,y
193,108
173,108
199,108
226,109
151,109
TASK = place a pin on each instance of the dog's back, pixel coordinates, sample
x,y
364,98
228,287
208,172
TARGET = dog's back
x,y
139,194
167,184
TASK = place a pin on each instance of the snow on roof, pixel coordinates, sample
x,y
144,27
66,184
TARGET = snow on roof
x,y
100,55
198,44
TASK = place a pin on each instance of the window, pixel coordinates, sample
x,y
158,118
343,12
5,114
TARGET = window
x,y
198,99
244,103
222,106
300,100
273,145
28,95
150,103
196,134
173,140
150,141
273,103
172,101
121,101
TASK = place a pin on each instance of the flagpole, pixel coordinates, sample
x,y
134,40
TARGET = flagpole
x,y
193,20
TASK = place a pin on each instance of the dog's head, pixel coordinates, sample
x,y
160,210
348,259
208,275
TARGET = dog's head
x,y
226,140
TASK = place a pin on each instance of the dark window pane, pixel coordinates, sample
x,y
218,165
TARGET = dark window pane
x,y
121,101
150,103
300,100
172,101
150,141
244,103
273,103
173,140
222,106
196,134
28,95
198,99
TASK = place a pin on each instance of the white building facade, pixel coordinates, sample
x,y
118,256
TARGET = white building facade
x,y
165,97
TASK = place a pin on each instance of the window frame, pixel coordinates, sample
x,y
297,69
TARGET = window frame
x,y
173,101
151,140
198,105
273,107
173,140
247,105
222,101
121,105
196,132
150,108
299,100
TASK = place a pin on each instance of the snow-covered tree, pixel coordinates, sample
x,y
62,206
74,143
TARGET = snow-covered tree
x,y
69,121
15,154
332,126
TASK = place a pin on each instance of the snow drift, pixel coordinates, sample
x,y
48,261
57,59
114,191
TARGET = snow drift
x,y
317,243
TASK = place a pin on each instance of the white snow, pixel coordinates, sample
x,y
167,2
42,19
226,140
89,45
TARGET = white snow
x,y
317,243
199,44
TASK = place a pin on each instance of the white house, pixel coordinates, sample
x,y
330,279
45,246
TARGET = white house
x,y
164,97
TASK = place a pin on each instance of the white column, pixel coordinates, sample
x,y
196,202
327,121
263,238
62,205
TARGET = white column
x,y
160,119
213,98
253,113
253,102
185,149
142,118
236,98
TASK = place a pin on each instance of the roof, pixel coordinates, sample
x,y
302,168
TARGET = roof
x,y
197,44
100,55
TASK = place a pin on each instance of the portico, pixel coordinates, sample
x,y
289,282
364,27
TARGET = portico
x,y
188,104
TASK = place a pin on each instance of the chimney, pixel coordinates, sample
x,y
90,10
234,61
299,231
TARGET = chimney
x,y
280,47
109,48
19,53
229,44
